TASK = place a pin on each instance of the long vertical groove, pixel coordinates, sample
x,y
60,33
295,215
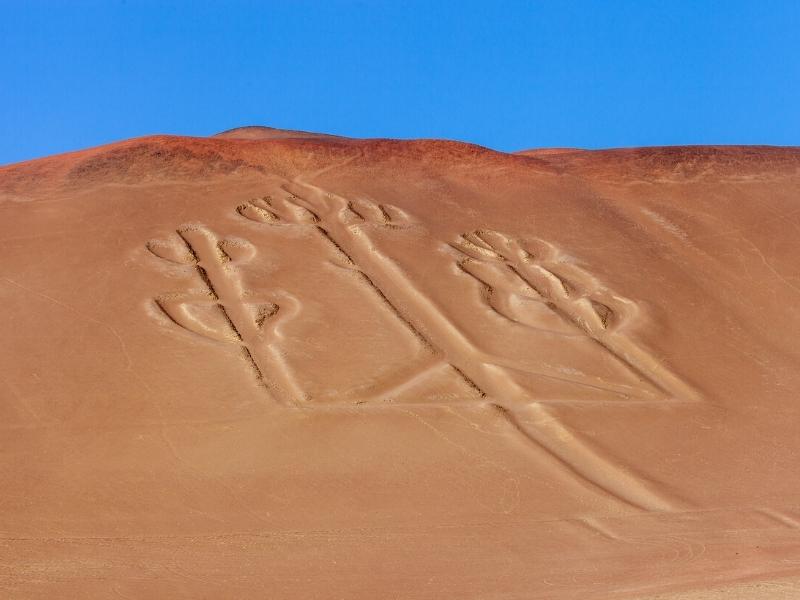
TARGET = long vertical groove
x,y
492,381
371,284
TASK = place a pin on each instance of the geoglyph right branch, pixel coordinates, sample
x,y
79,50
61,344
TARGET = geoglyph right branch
x,y
538,272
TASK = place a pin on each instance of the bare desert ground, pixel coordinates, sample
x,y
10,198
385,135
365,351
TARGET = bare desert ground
x,y
271,364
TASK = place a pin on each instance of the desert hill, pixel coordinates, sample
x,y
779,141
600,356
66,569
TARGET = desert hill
x,y
271,363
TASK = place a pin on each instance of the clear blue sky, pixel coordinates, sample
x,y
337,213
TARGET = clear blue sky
x,y
508,75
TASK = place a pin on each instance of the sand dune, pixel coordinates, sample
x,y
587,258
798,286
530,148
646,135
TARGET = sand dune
x,y
279,364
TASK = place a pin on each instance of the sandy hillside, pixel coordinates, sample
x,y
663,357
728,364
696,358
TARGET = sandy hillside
x,y
274,364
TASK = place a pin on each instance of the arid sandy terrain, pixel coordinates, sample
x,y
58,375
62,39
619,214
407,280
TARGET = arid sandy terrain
x,y
271,364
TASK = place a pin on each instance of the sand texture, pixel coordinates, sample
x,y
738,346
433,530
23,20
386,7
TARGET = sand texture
x,y
276,364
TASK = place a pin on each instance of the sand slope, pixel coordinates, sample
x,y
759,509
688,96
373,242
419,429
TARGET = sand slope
x,y
289,365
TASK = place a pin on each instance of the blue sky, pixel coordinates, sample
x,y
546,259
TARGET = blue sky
x,y
508,75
